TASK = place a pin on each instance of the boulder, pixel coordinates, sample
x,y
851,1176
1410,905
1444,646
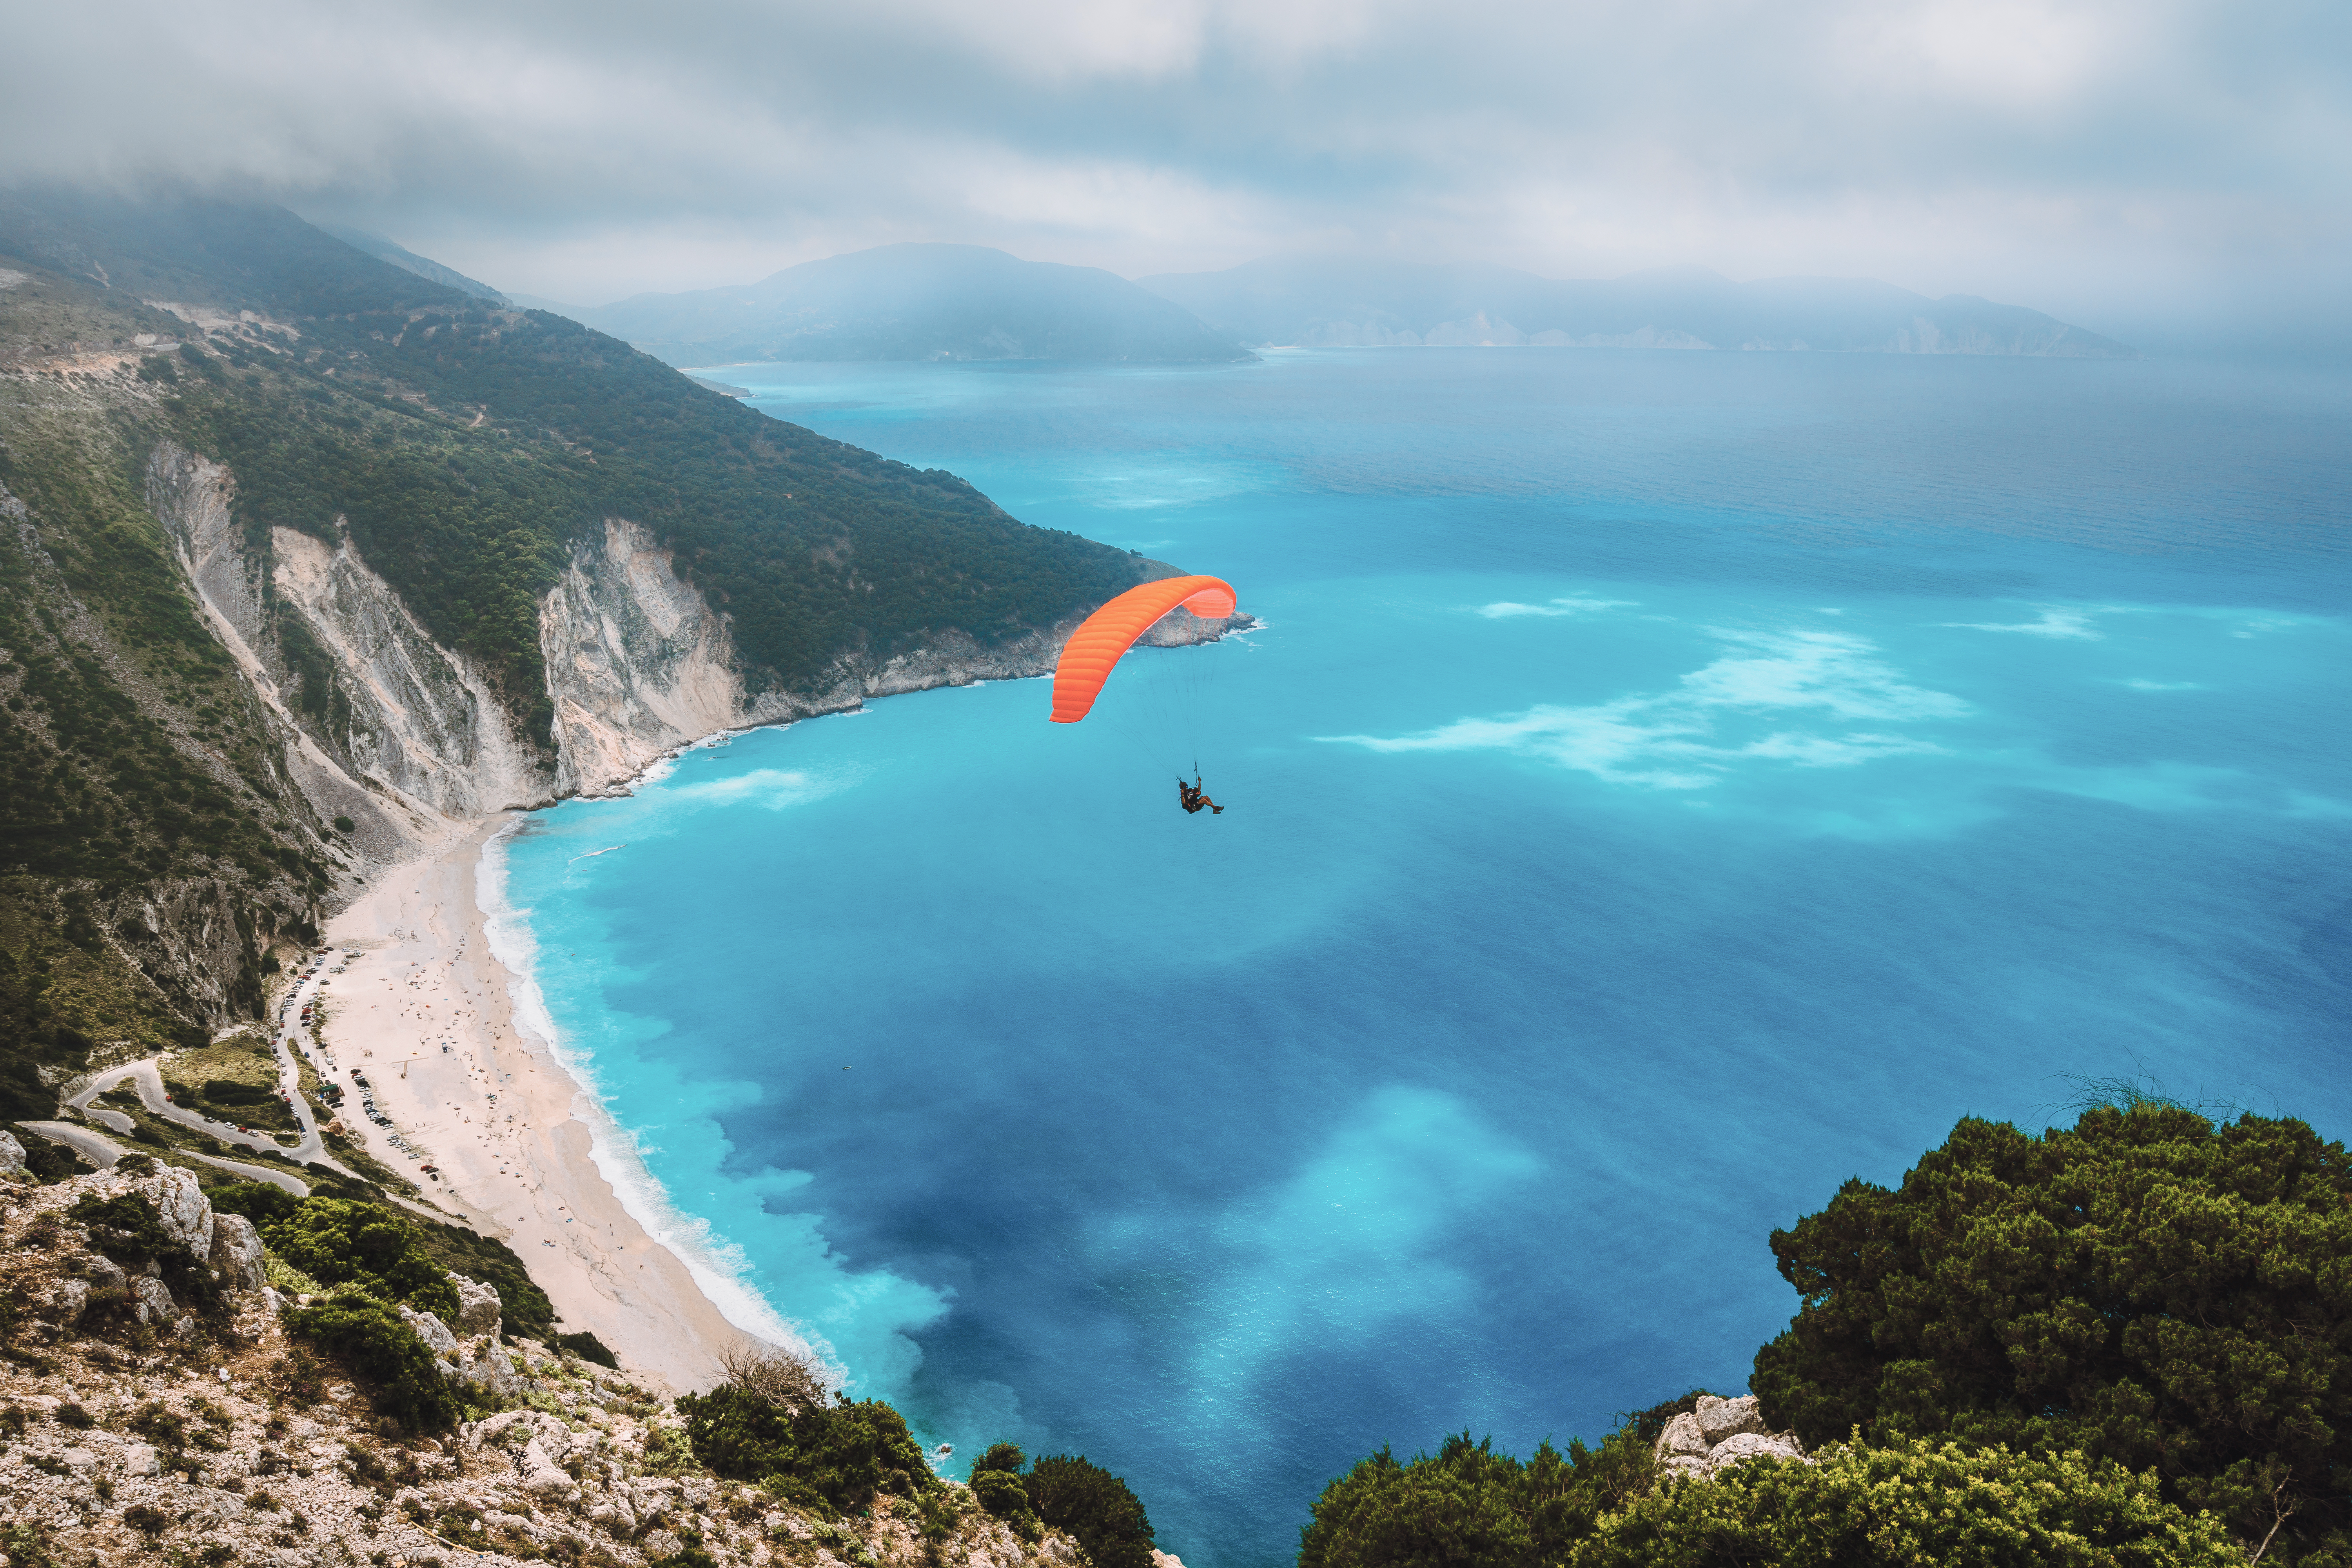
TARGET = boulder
x,y
141,1459
541,1477
70,1297
181,1208
152,1300
485,1364
237,1252
104,1272
1721,1418
12,1154
479,1307
1742,1445
431,1329
1683,1435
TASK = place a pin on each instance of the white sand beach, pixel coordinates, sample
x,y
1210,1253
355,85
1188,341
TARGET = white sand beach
x,y
424,1010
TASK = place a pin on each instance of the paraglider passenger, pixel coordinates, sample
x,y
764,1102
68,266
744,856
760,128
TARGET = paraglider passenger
x,y
1189,796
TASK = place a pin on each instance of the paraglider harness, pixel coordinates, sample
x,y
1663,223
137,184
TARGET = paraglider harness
x,y
1190,797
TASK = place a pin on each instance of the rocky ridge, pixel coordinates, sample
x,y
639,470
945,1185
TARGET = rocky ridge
x,y
135,1422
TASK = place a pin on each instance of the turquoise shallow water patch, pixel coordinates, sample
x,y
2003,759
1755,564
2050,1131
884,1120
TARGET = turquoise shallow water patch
x,y
1663,786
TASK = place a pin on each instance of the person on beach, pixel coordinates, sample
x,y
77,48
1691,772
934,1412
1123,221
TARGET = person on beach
x,y
1190,797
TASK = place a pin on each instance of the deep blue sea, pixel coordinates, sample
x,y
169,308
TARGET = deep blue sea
x,y
1663,786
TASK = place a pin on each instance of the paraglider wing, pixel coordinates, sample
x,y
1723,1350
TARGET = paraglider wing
x,y
1110,631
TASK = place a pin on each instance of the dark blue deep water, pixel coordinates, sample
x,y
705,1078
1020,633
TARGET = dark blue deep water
x,y
1664,786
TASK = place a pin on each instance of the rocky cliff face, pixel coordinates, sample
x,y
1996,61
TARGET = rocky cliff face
x,y
637,663
410,742
413,741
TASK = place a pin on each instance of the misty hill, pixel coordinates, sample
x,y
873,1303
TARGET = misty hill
x,y
1340,303
407,260
918,302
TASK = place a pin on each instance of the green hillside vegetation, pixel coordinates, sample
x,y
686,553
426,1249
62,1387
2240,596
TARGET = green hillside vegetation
x,y
1909,1503
829,1458
2145,1287
233,1081
463,449
2120,1343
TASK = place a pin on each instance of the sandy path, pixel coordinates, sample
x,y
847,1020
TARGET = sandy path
x,y
497,1116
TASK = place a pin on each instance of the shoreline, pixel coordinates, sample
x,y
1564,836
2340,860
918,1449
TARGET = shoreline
x,y
429,1013
475,1075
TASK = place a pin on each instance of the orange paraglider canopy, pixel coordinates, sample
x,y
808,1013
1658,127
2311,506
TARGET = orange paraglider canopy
x,y
1110,631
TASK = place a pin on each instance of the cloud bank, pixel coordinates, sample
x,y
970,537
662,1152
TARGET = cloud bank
x,y
2094,158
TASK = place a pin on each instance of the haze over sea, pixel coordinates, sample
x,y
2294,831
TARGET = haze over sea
x,y
1665,785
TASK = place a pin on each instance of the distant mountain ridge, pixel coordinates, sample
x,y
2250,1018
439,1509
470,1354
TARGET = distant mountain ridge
x,y
918,302
1313,302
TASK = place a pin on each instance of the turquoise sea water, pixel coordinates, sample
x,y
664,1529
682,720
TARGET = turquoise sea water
x,y
1664,786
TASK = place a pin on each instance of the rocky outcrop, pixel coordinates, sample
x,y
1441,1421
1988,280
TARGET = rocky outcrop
x,y
1720,1433
12,1154
237,1252
479,1307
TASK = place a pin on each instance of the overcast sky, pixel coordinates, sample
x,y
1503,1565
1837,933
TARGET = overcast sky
x,y
2112,162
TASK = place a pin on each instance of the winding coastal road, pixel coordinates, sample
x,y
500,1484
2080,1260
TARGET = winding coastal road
x,y
104,1152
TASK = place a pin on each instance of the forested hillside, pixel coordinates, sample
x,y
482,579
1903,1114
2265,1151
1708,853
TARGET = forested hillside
x,y
155,842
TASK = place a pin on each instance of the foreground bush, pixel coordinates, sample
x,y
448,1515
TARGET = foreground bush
x,y
339,1241
835,1457
2144,1287
1099,1509
522,1305
1911,1503
997,1487
1470,1507
384,1355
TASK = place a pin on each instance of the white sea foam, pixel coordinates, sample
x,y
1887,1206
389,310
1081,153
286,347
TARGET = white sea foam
x,y
718,1265
1507,608
1671,740
2054,622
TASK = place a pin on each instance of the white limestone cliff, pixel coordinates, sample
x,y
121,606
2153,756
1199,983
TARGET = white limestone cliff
x,y
417,744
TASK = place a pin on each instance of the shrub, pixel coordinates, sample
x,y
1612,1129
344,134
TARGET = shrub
x,y
1004,1494
52,1161
783,1377
2144,1287
383,1354
342,1242
1099,1509
1470,1507
587,1347
844,1454
1912,1502
145,1520
690,1553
